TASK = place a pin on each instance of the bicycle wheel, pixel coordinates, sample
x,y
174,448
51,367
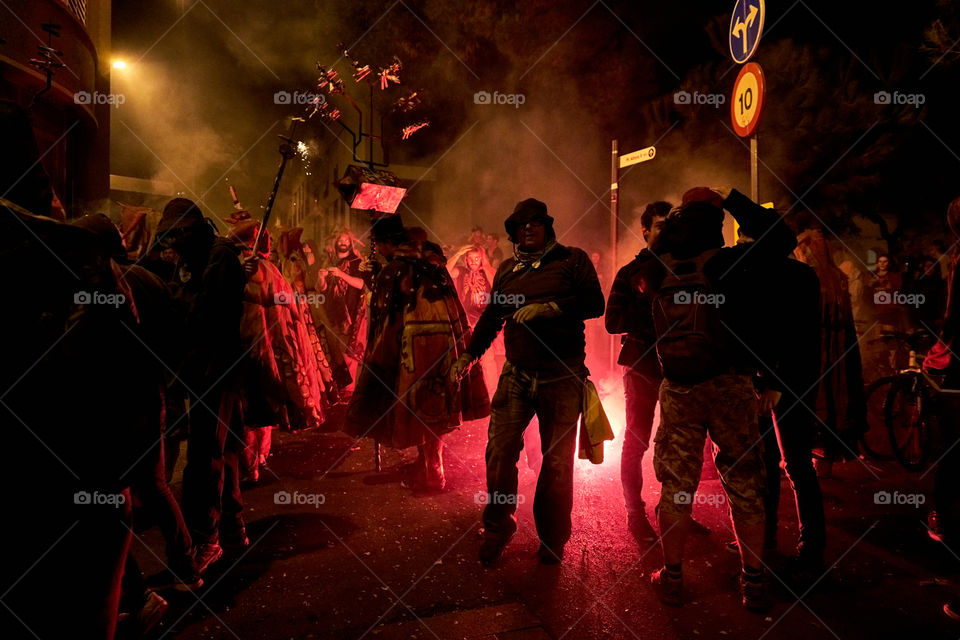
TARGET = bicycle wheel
x,y
875,442
907,422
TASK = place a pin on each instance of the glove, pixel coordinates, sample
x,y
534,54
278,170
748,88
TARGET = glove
x,y
460,367
536,310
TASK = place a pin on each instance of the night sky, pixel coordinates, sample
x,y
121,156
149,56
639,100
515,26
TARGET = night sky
x,y
206,73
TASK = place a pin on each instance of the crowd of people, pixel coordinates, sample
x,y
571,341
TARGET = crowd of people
x,y
218,340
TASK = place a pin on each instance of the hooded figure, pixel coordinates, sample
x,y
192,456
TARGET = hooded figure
x,y
841,405
209,283
289,389
417,329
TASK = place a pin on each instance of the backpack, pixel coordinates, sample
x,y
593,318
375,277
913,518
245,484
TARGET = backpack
x,y
687,318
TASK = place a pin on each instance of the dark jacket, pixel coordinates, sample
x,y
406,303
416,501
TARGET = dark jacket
x,y
731,272
564,276
213,307
629,312
786,320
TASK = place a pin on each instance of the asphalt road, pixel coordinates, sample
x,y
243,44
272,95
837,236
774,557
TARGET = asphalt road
x,y
355,555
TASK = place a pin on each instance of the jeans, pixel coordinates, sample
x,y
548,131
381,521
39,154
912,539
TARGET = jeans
x,y
556,401
211,480
641,392
794,430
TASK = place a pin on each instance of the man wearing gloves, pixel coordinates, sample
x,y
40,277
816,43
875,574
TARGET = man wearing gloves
x,y
540,298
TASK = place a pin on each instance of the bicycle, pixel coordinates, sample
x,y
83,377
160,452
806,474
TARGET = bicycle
x,y
909,405
875,441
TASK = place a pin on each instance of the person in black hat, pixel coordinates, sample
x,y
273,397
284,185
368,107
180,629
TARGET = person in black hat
x,y
403,396
540,298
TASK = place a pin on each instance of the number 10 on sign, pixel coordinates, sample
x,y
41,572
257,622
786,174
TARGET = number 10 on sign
x,y
747,103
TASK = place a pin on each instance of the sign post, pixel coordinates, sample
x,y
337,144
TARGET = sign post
x,y
637,157
749,90
614,224
618,162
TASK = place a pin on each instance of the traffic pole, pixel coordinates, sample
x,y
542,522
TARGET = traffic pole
x,y
614,224
754,172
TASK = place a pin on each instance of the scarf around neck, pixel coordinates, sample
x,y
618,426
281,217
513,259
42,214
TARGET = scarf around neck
x,y
531,258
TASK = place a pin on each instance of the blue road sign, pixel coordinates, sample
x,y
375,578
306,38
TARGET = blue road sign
x,y
746,25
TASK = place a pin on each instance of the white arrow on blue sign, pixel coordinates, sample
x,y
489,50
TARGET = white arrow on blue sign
x,y
746,25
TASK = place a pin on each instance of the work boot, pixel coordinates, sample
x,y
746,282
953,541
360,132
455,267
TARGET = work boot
x,y
753,592
492,548
669,587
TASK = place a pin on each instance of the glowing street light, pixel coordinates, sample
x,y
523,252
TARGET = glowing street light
x,y
119,64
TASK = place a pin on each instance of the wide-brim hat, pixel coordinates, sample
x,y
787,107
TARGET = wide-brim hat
x,y
528,210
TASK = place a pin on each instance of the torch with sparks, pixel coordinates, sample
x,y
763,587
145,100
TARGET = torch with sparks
x,y
303,150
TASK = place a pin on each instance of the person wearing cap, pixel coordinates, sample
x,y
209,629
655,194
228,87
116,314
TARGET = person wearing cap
x,y
403,396
540,299
707,344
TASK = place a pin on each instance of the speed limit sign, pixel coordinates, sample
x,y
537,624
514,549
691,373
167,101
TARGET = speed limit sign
x,y
747,100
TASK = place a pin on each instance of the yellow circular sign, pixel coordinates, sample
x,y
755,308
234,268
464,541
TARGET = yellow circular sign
x,y
747,100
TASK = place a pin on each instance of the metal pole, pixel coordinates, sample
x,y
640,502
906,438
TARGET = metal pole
x,y
754,176
614,223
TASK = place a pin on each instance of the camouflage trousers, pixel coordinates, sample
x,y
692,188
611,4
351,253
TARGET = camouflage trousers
x,y
725,407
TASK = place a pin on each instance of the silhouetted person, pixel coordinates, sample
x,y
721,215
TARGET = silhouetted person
x,y
209,282
540,298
